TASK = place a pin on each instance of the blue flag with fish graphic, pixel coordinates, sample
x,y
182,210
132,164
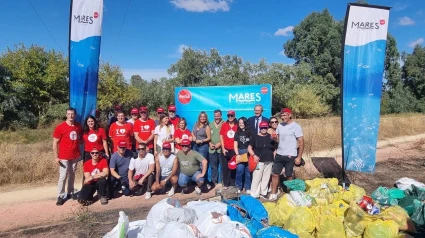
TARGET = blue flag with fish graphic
x,y
363,60
84,51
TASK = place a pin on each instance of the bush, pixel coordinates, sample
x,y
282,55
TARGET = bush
x,y
53,113
305,103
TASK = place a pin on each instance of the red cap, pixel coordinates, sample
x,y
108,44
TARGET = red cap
x,y
172,108
117,107
94,148
232,163
143,109
287,110
134,111
160,110
231,112
263,124
122,143
166,145
185,142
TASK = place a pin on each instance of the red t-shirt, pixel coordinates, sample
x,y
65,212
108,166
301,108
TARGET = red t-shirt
x,y
118,133
178,133
95,169
145,130
94,139
228,133
69,140
175,121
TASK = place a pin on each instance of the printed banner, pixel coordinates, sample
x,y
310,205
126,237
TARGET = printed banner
x,y
84,49
190,101
363,67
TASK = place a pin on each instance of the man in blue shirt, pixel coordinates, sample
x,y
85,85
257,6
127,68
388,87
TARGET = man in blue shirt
x,y
119,164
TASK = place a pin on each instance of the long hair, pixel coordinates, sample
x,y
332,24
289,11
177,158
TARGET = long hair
x,y
270,125
245,122
180,121
199,120
86,128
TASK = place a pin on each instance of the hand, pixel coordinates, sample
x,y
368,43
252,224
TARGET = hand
x,y
57,160
198,141
86,181
298,160
225,151
199,176
162,183
132,184
155,153
107,156
217,145
141,181
274,135
238,158
212,146
256,158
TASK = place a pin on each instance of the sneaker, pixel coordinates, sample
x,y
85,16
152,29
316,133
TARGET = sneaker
x,y
248,192
72,195
184,190
60,201
103,201
148,195
239,191
270,190
265,197
273,197
171,192
209,186
198,190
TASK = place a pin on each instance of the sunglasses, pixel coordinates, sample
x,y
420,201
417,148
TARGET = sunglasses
x,y
273,121
142,148
167,149
230,115
94,153
264,128
123,148
171,111
185,145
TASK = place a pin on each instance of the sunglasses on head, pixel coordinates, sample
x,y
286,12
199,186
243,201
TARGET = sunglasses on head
x,y
94,153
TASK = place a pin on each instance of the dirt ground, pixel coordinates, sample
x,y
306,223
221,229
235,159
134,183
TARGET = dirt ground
x,y
42,218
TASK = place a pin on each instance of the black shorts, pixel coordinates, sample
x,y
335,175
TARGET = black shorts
x,y
281,161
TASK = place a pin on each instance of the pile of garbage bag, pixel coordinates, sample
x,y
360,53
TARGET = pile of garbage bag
x,y
325,209
244,218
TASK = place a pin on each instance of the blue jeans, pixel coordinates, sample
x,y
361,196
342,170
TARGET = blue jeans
x,y
241,170
215,162
203,150
185,179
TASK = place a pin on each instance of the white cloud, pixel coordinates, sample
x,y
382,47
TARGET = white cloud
x,y
416,42
203,5
147,74
406,21
284,32
399,7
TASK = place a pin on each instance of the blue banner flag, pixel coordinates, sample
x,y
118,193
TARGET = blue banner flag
x,y
363,60
190,101
84,49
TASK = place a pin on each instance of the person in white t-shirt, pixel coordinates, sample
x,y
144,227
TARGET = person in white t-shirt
x,y
142,168
164,132
166,170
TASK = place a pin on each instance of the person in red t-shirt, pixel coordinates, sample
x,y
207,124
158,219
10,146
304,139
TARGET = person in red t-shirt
x,y
95,173
174,119
66,151
181,133
144,129
227,134
121,130
94,136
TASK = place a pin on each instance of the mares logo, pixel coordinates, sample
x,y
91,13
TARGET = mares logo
x,y
264,90
367,25
245,98
184,96
86,19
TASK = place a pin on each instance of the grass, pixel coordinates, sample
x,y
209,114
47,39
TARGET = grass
x,y
27,158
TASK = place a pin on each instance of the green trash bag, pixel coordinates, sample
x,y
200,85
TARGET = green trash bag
x,y
419,215
295,185
410,204
417,192
386,196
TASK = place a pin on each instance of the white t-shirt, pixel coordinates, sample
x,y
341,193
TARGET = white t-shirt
x,y
141,165
166,164
164,133
288,134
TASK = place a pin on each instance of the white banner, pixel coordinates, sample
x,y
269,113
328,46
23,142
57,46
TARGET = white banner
x,y
86,19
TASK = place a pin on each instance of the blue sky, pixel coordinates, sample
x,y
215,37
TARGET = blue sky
x,y
155,32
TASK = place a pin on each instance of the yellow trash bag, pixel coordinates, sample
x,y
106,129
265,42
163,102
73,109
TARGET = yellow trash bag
x,y
356,220
281,212
354,194
322,194
330,227
380,228
400,216
319,181
337,209
269,206
301,220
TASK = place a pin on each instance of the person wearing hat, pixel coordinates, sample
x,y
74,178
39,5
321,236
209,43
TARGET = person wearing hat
x,y
166,170
142,168
144,129
261,148
134,115
114,118
119,165
289,135
67,137
174,119
227,134
95,173
159,111
190,163
121,130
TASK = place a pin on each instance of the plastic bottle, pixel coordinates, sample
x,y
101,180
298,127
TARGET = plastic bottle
x,y
122,225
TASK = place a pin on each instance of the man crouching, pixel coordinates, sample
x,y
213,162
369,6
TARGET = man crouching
x,y
166,170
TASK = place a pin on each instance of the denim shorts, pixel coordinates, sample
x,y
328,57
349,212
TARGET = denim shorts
x,y
184,179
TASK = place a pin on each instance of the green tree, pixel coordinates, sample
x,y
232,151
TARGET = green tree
x,y
414,72
306,103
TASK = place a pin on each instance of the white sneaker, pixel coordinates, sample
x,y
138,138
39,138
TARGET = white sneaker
x,y
270,190
171,192
239,191
148,195
273,197
198,190
248,192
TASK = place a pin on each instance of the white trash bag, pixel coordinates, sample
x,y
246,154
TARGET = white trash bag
x,y
156,220
210,220
406,183
175,229
204,207
181,214
230,229
300,198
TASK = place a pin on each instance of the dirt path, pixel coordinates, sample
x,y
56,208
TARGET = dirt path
x,y
32,211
